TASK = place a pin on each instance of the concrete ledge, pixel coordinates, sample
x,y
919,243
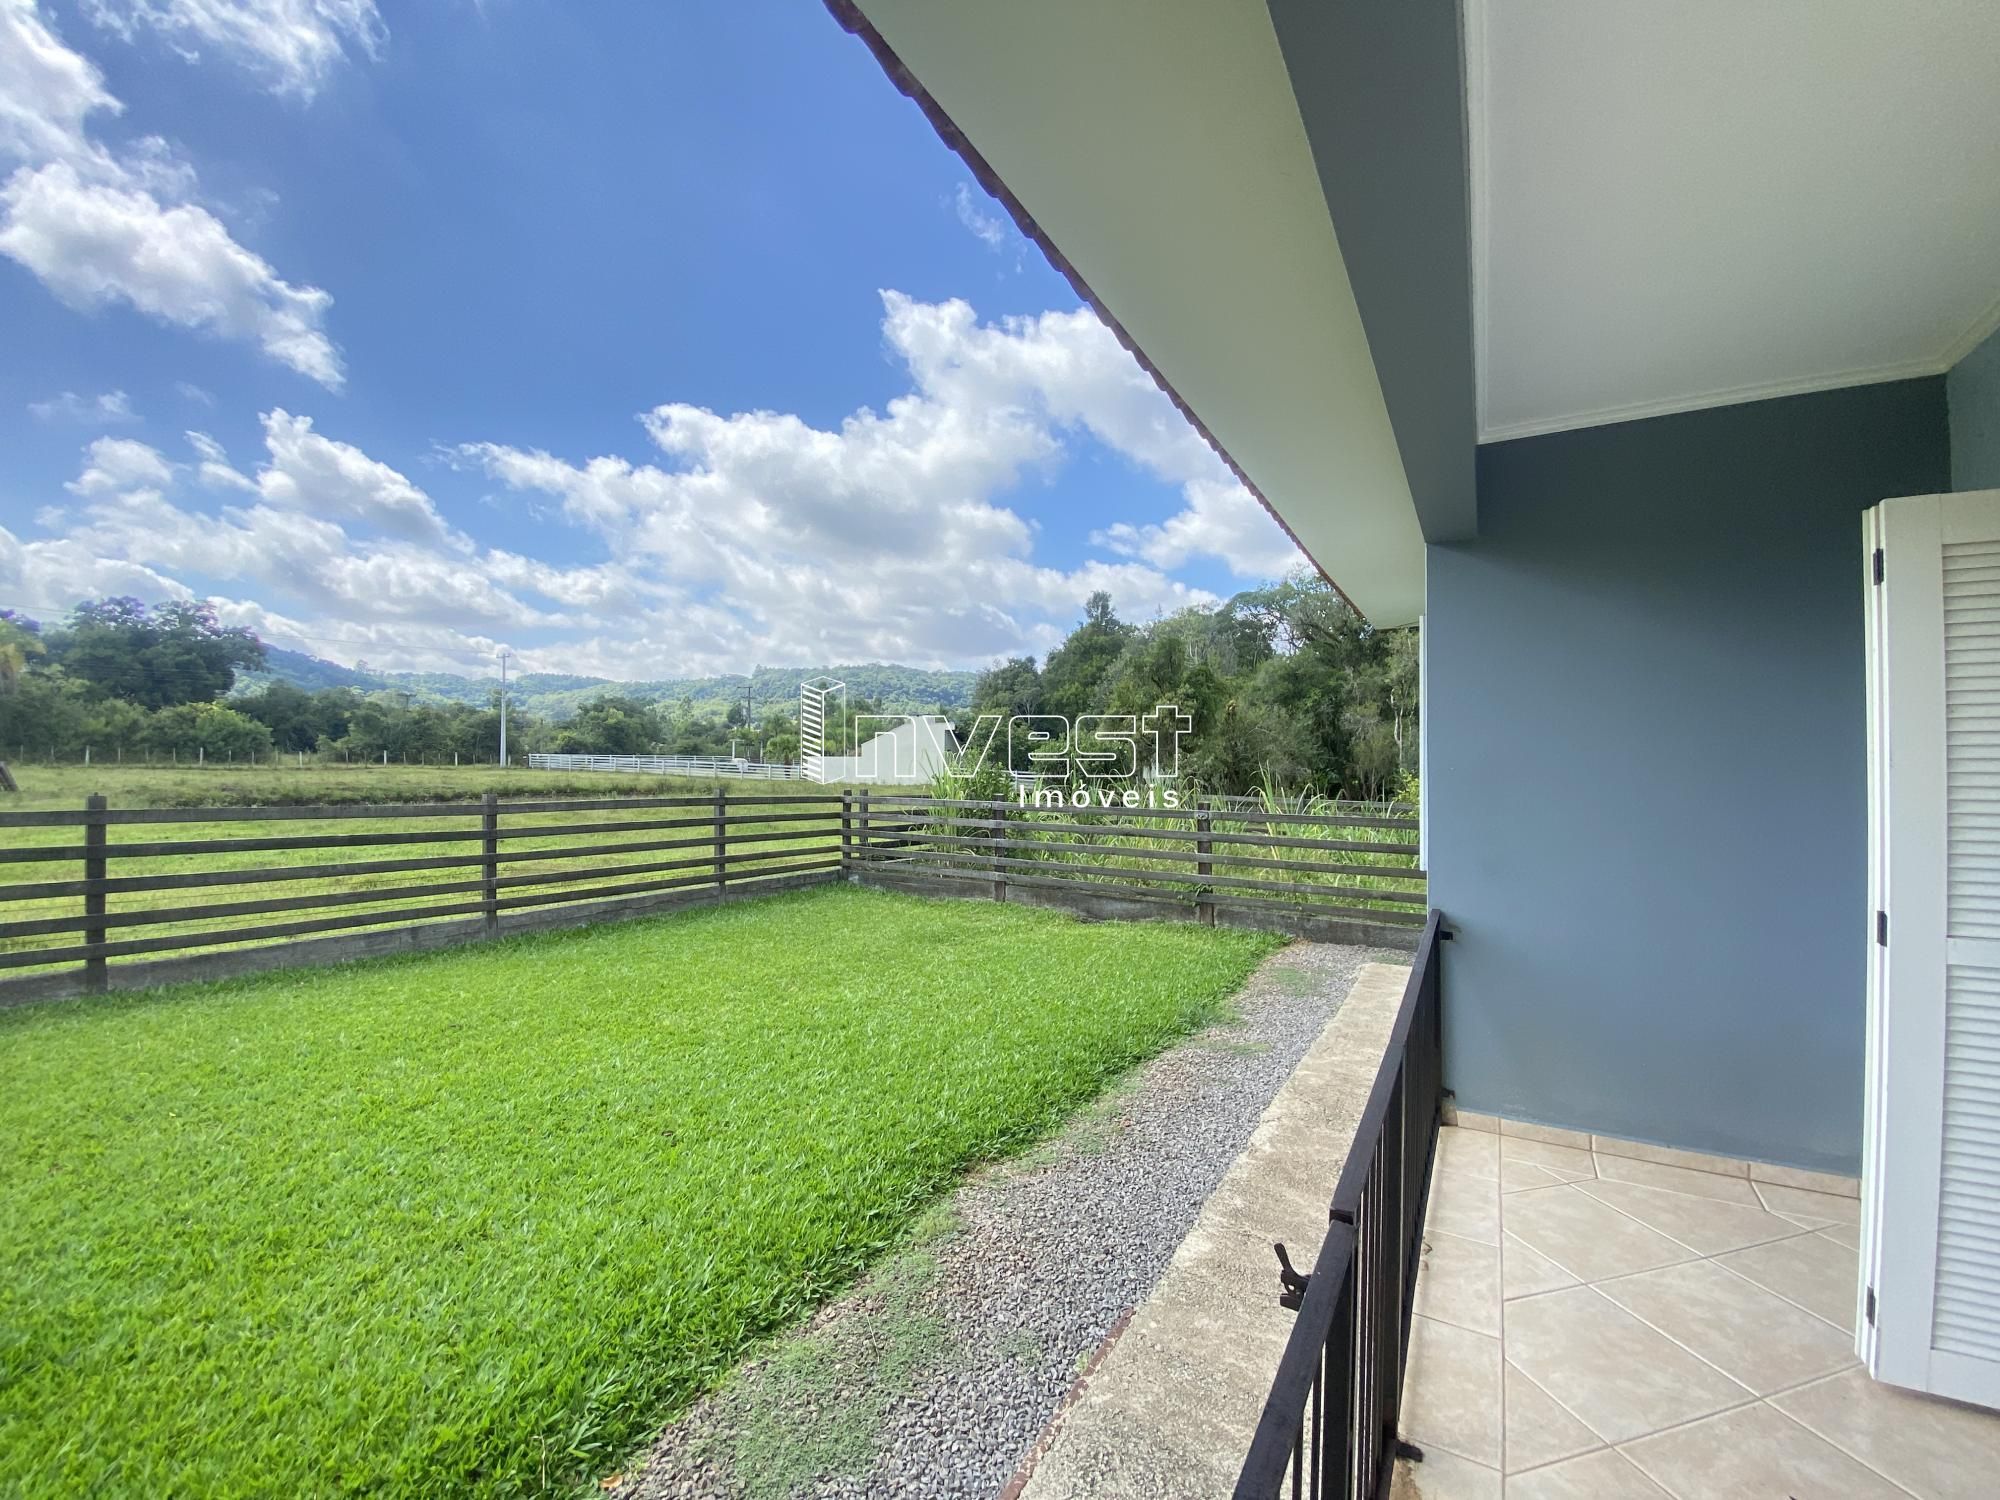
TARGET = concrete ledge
x,y
1169,1412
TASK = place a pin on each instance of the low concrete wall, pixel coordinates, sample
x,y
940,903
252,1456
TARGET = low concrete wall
x,y
428,938
1127,907
1169,1411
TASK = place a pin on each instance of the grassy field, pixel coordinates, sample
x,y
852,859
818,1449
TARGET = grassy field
x,y
477,1222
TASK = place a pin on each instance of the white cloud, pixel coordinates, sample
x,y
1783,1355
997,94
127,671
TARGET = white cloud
x,y
315,474
189,391
1221,520
100,228
46,90
750,537
975,213
109,409
289,44
97,243
121,464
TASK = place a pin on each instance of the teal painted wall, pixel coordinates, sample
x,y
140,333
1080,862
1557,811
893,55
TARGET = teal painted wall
x,y
1973,393
1645,770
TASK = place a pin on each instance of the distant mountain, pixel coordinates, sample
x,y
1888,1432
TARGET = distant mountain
x,y
897,689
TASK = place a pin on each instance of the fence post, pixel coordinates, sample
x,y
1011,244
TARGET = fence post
x,y
1204,905
94,976
846,835
489,869
721,846
861,837
995,827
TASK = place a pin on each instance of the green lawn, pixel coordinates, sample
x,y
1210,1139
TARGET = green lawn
x,y
477,1222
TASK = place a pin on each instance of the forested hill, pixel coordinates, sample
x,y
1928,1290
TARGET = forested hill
x,y
895,689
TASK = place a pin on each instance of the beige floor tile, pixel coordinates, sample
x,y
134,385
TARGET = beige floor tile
x,y
1539,1431
1810,1270
1469,1119
1706,1225
1812,1182
1524,1272
1566,1163
1459,1282
1451,1391
1603,1475
1555,1135
1750,1335
1444,1476
1464,1205
1609,1369
1525,1176
1936,1449
1589,1239
1678,1179
1757,1453
1471,1151
1824,1207
1847,1236
1669,1156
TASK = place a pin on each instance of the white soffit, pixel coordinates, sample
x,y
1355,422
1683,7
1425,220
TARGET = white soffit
x,y
1687,203
1158,144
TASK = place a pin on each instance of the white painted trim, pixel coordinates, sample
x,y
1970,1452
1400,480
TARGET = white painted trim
x,y
1479,200
1707,401
1983,327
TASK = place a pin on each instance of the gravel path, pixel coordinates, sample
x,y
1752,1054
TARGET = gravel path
x,y
936,1375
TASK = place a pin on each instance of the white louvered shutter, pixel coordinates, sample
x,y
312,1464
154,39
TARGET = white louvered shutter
x,y
1931,1233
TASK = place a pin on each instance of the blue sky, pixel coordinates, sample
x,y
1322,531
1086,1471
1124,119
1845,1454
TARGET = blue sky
x,y
646,339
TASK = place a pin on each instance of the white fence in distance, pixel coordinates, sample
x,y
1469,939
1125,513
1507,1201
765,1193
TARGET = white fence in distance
x,y
669,765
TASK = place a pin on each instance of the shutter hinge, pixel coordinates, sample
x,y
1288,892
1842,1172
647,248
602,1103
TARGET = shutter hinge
x,y
1871,1307
1878,564
1881,929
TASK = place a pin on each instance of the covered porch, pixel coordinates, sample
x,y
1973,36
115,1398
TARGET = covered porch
x,y
1586,336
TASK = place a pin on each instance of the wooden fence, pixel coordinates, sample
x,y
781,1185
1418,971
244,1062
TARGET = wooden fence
x,y
359,881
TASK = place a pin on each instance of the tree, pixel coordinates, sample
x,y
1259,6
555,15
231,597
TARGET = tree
x,y
612,724
1076,672
173,653
193,730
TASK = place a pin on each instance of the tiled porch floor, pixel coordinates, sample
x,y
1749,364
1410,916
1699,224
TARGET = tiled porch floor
x,y
1595,1326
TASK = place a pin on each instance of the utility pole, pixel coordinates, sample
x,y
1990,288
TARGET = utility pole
x,y
503,707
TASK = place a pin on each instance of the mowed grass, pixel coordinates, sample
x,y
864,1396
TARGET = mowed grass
x,y
477,1222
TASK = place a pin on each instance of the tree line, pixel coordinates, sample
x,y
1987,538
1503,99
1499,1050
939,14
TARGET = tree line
x,y
1285,685
123,679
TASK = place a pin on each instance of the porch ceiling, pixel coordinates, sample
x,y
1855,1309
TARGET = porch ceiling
x,y
1157,148
1687,205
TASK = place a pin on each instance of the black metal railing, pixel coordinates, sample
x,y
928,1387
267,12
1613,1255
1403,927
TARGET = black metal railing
x,y
1328,1429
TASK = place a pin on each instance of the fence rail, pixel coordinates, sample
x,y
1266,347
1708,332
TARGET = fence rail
x,y
670,765
1329,1425
205,891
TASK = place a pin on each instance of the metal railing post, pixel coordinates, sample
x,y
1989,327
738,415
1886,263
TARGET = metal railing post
x,y
489,869
96,978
